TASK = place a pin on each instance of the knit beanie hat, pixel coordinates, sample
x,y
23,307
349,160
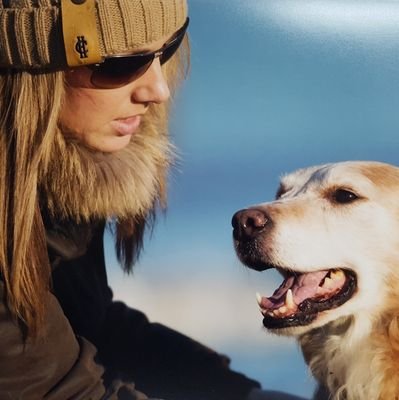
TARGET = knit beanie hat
x,y
37,34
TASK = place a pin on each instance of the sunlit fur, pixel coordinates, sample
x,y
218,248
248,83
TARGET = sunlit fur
x,y
39,168
352,350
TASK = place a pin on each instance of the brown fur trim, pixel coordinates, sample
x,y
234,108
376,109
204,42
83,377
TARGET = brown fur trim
x,y
83,184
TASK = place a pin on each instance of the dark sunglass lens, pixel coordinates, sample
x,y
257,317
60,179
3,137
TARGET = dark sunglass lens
x,y
170,49
118,71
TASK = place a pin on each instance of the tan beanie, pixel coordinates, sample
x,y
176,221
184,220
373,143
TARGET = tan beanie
x,y
37,34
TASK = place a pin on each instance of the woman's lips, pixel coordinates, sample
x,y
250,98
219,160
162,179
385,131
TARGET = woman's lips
x,y
126,126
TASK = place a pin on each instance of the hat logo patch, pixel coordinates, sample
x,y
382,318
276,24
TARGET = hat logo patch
x,y
81,47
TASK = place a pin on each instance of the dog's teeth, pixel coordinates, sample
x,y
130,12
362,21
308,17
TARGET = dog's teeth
x,y
259,298
289,300
282,310
328,282
337,275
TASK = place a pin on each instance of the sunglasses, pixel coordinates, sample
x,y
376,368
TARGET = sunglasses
x,y
118,70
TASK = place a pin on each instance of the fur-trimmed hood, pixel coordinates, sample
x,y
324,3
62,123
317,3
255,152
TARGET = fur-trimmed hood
x,y
83,184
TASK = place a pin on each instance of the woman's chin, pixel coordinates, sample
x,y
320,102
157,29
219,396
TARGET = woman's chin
x,y
109,144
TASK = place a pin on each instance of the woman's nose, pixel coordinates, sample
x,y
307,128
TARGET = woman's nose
x,y
152,86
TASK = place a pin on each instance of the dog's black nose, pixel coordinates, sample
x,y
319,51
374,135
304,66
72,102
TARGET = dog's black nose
x,y
248,223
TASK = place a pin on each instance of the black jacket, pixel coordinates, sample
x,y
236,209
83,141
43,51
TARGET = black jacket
x,y
162,362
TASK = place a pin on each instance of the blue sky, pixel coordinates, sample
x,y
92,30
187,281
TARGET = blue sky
x,y
274,85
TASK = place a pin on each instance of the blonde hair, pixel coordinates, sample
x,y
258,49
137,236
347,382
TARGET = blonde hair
x,y
30,104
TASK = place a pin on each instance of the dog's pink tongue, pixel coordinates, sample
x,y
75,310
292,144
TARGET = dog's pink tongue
x,y
303,286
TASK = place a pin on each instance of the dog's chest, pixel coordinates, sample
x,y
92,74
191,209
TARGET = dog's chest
x,y
345,368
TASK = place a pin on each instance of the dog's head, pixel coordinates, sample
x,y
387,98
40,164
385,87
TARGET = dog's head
x,y
333,234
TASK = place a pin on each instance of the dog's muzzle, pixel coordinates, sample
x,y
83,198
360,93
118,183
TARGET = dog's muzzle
x,y
303,294
251,227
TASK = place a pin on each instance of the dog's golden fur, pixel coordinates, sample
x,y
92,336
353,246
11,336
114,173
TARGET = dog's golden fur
x,y
351,349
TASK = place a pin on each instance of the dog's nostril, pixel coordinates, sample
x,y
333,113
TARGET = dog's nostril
x,y
254,220
235,221
248,223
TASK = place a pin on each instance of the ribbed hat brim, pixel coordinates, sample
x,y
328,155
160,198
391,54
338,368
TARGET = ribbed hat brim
x,y
31,35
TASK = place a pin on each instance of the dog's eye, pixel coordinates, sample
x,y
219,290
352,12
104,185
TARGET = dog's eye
x,y
343,196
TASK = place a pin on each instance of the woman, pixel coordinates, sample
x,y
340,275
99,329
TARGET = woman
x,y
85,87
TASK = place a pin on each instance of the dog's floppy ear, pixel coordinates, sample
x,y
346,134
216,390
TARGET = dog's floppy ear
x,y
382,175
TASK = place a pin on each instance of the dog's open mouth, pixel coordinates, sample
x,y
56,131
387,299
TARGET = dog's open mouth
x,y
302,296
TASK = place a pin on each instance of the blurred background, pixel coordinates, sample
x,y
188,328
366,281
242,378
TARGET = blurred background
x,y
274,85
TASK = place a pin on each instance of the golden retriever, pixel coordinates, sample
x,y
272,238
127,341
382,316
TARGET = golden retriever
x,y
333,234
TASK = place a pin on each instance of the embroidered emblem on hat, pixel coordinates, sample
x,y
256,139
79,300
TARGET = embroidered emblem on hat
x,y
81,47
79,26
